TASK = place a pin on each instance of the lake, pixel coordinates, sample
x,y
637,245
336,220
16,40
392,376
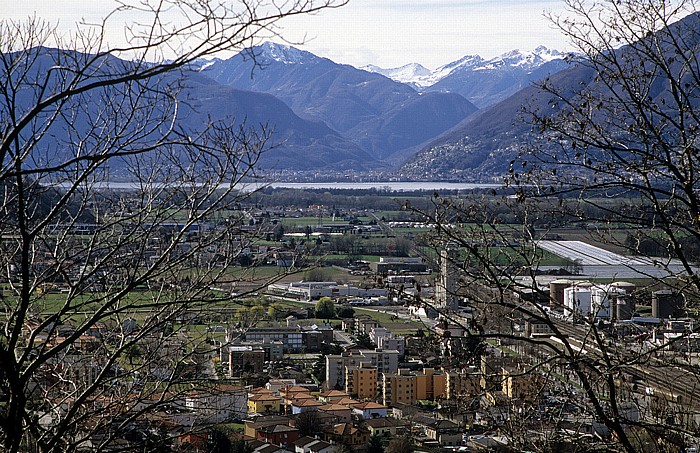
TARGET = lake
x,y
388,186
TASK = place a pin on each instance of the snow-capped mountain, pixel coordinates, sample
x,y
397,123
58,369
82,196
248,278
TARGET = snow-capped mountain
x,y
408,74
526,60
384,118
482,81
281,53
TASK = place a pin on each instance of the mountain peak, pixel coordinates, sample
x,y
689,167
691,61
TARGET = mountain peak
x,y
405,74
282,53
527,59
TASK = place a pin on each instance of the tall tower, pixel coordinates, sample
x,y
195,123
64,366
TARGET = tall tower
x,y
446,290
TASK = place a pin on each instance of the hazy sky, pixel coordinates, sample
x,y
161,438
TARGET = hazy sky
x,y
391,33
386,33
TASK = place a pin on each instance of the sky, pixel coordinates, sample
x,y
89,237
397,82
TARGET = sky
x,y
386,33
391,33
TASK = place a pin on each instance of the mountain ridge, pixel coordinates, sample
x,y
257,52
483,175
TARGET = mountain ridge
x,y
364,107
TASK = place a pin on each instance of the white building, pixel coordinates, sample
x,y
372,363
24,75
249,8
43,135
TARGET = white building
x,y
448,283
316,290
386,340
219,404
591,301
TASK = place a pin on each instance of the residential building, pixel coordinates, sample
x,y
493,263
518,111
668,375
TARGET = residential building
x,y
398,388
361,381
308,444
264,403
425,384
518,384
364,324
386,340
245,359
219,404
369,410
384,361
283,435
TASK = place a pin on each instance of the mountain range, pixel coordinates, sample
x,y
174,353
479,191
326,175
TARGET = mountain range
x,y
329,116
389,114
487,143
484,82
381,116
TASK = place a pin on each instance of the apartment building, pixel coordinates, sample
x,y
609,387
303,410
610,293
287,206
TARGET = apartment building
x,y
361,381
384,361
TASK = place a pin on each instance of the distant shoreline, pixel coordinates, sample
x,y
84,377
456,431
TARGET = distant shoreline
x,y
385,186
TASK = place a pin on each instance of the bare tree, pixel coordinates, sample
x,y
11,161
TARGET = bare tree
x,y
101,285
615,158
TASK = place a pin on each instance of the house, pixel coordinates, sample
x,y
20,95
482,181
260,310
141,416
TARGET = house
x,y
250,426
331,396
281,434
350,402
303,405
219,403
267,448
346,433
264,403
311,445
446,432
190,440
381,426
276,385
370,409
537,327
343,414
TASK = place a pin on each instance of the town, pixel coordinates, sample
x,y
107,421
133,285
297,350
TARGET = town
x,y
339,330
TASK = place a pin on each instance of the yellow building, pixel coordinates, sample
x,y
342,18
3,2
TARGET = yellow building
x,y
440,386
469,384
264,403
361,381
425,384
428,384
398,388
522,386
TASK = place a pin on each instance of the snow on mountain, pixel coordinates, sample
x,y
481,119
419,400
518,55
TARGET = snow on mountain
x,y
416,75
270,51
405,74
525,60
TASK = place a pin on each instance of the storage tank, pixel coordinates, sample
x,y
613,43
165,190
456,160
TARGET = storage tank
x,y
577,300
625,303
667,304
601,297
628,287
